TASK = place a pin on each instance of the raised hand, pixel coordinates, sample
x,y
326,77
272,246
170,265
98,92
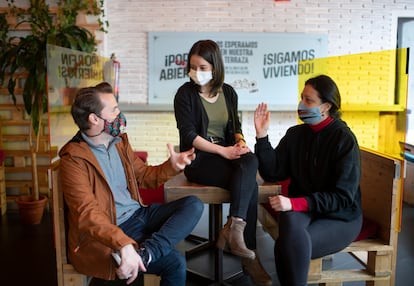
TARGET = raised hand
x,y
261,120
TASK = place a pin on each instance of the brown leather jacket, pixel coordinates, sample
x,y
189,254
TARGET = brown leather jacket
x,y
93,233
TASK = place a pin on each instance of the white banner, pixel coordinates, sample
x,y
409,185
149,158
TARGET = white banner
x,y
262,67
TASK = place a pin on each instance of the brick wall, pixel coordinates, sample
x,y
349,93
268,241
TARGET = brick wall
x,y
151,131
351,26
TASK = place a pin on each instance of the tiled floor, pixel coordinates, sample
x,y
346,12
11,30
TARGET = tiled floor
x,y
27,254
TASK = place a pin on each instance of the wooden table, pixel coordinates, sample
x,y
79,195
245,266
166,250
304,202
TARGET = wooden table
x,y
178,187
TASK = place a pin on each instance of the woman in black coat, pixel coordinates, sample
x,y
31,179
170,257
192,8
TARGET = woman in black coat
x,y
322,213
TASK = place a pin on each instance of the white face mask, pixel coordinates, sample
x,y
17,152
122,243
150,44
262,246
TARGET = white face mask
x,y
200,77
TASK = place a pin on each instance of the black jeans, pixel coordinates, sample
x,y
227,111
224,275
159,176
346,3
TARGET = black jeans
x,y
302,238
239,177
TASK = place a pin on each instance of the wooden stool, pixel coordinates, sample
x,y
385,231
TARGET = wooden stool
x,y
66,273
178,187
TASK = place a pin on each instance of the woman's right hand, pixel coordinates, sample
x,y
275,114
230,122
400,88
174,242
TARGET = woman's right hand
x,y
261,120
233,152
228,152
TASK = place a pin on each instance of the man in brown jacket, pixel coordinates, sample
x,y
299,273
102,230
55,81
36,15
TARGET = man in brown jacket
x,y
100,177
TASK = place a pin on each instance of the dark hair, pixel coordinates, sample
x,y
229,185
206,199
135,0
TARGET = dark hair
x,y
87,101
104,87
328,92
210,51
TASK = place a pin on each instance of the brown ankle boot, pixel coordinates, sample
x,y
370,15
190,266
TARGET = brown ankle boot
x,y
255,270
232,235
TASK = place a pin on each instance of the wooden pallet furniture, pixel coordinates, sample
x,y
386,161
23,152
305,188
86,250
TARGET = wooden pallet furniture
x,y
3,202
15,128
66,273
381,187
178,187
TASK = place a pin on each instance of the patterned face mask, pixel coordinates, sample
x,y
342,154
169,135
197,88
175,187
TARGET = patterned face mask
x,y
116,127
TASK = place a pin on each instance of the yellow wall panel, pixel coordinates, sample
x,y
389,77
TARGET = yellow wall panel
x,y
365,126
373,89
367,78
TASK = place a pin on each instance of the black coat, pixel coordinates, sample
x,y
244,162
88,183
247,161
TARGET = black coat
x,y
324,167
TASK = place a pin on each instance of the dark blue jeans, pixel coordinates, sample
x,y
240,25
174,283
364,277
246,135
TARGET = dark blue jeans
x,y
158,228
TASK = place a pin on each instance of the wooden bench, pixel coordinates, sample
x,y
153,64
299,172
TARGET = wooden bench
x,y
178,187
66,273
381,186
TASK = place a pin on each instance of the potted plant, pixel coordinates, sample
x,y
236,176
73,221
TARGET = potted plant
x,y
28,54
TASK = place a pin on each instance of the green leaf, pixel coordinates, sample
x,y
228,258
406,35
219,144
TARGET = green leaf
x,y
29,53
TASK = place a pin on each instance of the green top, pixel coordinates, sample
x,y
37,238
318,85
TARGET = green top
x,y
217,116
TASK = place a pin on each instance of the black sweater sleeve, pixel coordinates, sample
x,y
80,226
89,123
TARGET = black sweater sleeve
x,y
273,162
187,114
